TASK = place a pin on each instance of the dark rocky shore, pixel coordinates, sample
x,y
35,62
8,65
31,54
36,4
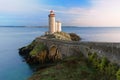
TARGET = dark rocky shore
x,y
49,49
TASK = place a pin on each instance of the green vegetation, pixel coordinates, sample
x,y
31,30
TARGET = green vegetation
x,y
37,49
27,49
71,68
79,68
37,52
118,74
105,68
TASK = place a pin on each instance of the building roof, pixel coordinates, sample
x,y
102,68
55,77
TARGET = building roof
x,y
51,13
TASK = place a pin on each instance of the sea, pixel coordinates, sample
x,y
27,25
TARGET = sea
x,y
12,66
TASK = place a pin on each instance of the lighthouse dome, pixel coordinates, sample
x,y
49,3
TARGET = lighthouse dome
x,y
51,12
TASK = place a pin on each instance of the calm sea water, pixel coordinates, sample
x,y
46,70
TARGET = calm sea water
x,y
97,34
12,38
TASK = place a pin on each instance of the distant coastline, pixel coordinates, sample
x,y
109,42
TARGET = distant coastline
x,y
64,26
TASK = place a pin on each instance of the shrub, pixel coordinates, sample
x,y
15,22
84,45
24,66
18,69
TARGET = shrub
x,y
118,74
103,64
105,68
94,59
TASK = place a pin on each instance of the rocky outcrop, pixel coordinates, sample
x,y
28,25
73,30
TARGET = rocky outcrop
x,y
94,53
58,49
74,37
54,53
38,52
46,50
63,36
41,50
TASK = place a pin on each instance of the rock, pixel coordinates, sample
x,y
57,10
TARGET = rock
x,y
74,37
59,36
39,51
54,53
42,56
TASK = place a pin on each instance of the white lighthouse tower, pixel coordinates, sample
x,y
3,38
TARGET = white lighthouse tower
x,y
52,26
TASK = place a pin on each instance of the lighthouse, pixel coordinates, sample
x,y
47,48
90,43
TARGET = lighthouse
x,y
54,26
58,26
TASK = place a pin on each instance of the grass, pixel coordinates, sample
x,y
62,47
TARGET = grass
x,y
74,67
71,68
37,49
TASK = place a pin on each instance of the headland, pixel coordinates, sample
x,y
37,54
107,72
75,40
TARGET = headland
x,y
51,50
62,56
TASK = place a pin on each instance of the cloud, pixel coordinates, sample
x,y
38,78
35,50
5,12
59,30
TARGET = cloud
x,y
100,13
103,13
20,6
22,12
32,12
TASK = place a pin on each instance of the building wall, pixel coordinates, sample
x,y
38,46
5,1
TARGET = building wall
x,y
58,26
52,24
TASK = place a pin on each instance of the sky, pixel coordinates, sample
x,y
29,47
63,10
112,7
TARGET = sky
x,y
83,13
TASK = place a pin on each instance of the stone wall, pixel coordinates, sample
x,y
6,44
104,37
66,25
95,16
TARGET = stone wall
x,y
67,48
